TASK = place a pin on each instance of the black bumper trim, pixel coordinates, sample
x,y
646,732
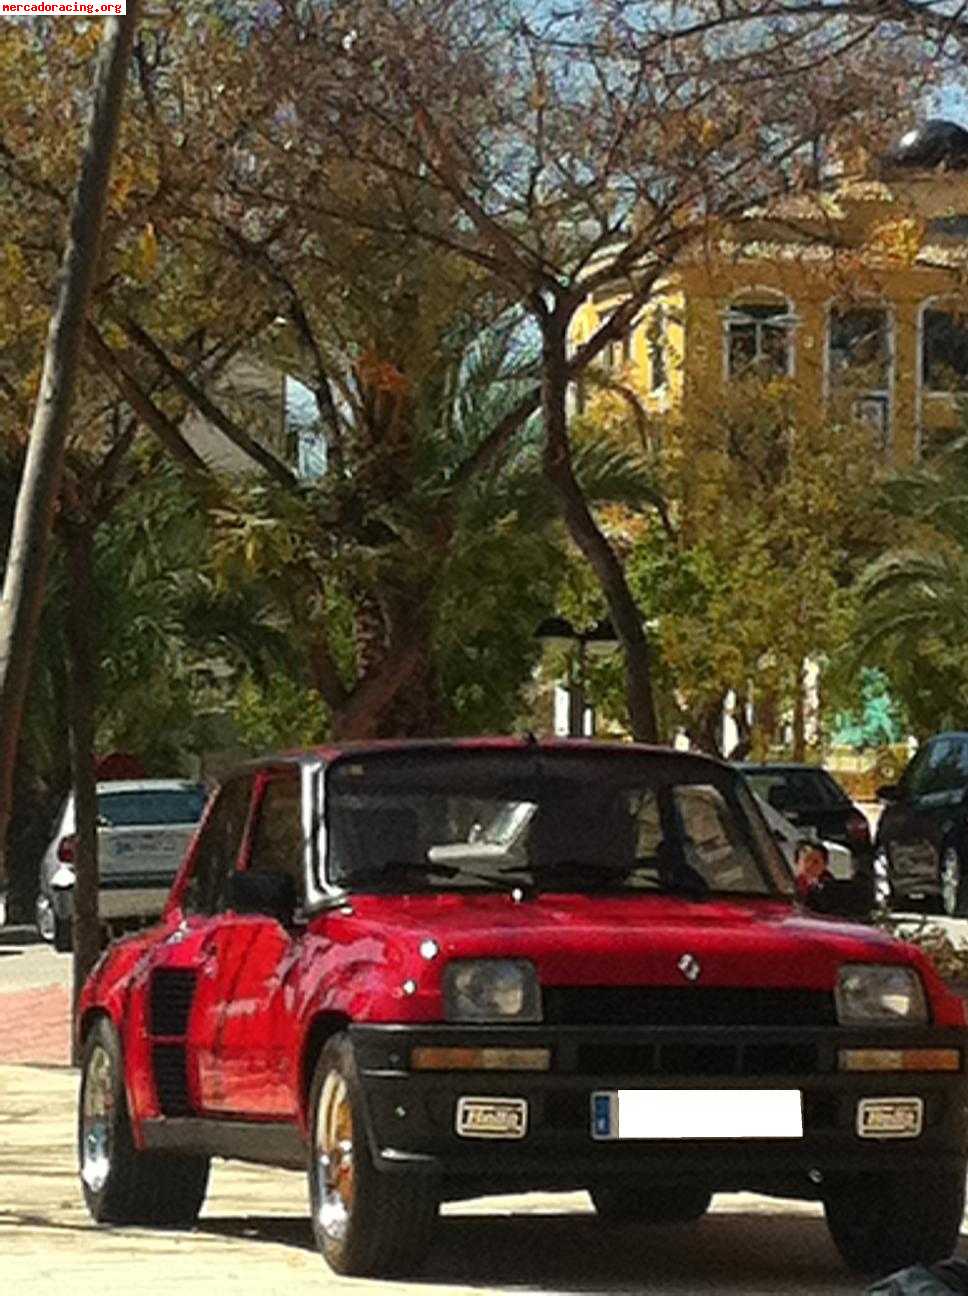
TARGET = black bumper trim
x,y
558,1150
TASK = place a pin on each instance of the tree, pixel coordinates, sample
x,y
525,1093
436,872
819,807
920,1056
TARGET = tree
x,y
27,558
915,596
565,151
769,518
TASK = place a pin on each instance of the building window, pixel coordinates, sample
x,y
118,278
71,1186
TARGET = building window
x,y
616,355
944,351
859,348
875,410
655,341
859,361
759,339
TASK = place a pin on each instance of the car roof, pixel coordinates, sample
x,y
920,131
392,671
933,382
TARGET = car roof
x,y
331,752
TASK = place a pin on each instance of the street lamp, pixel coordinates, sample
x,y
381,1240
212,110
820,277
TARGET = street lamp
x,y
558,632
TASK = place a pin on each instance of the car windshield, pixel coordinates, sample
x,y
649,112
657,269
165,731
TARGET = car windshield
x,y
509,821
569,822
805,789
151,806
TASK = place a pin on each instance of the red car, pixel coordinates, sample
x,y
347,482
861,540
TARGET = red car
x,y
626,999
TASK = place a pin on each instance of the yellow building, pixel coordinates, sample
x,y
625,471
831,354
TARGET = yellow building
x,y
855,292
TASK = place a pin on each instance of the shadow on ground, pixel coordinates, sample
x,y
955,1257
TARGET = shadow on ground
x,y
575,1253
19,936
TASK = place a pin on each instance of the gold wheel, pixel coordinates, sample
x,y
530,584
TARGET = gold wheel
x,y
334,1163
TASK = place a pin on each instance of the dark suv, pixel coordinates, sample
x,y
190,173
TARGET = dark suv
x,y
921,838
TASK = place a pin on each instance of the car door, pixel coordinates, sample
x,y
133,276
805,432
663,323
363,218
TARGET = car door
x,y
176,1021
915,825
251,959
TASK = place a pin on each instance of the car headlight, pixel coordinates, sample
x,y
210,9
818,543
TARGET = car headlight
x,y
872,992
487,990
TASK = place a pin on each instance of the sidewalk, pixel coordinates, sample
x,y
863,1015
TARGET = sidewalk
x,y
36,1026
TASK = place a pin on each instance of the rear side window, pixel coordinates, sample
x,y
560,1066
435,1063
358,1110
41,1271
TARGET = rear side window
x,y
174,806
277,840
806,789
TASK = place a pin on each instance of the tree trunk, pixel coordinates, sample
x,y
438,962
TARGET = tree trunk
x,y
625,616
81,613
26,572
799,715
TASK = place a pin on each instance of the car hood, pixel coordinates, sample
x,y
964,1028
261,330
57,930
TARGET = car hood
x,y
610,940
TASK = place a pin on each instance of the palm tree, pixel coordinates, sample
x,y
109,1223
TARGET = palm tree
x,y
915,597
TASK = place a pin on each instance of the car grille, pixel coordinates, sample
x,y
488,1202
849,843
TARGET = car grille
x,y
169,1005
171,1080
686,1006
171,1000
686,1058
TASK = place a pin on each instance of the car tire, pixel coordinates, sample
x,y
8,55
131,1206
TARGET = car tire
x,y
952,882
366,1223
63,935
44,919
635,1203
121,1184
894,1221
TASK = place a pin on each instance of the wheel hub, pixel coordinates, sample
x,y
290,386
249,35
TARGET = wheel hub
x,y
950,880
334,1161
96,1114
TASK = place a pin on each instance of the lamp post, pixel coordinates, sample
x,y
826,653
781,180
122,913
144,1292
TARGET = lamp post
x,y
559,632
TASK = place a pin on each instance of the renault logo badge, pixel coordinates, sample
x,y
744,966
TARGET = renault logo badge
x,y
689,966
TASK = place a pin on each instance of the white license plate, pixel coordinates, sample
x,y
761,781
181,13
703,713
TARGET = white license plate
x,y
890,1117
492,1117
697,1114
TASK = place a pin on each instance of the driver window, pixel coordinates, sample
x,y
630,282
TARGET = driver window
x,y
218,847
277,842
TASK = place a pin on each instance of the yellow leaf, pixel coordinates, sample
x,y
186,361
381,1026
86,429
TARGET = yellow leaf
x,y
148,250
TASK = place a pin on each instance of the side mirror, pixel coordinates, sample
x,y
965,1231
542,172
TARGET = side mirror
x,y
889,792
476,833
262,892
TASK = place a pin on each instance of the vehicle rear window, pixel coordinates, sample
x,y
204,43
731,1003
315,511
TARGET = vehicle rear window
x,y
174,806
555,820
805,788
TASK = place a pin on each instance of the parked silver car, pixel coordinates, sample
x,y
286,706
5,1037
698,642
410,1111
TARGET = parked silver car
x,y
144,827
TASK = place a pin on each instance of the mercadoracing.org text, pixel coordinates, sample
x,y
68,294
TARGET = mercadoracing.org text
x,y
67,8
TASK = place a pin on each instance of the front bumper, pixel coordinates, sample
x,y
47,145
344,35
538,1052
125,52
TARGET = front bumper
x,y
411,1115
117,900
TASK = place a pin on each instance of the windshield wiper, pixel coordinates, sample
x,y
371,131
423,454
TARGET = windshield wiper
x,y
418,868
681,879
402,869
589,877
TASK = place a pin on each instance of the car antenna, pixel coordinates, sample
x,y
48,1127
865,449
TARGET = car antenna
x,y
530,737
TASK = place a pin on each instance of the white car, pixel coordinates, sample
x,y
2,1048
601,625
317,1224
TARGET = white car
x,y
144,826
840,861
